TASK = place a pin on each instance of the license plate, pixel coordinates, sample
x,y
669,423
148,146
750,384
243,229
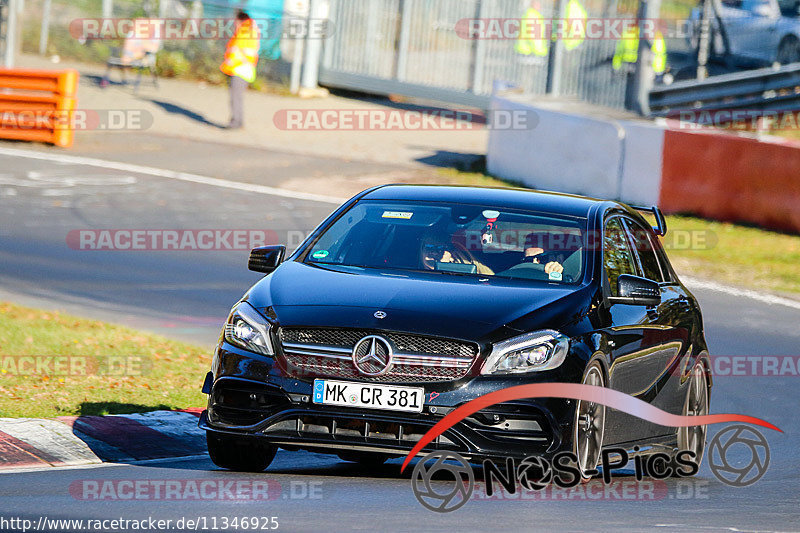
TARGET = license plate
x,y
367,395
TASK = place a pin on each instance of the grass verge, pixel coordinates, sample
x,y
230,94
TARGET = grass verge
x,y
53,364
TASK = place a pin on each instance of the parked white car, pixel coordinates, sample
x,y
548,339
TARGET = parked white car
x,y
761,31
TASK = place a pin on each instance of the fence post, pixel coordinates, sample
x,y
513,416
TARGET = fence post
x,y
403,41
108,9
317,9
555,55
704,42
297,64
45,31
11,35
478,53
643,76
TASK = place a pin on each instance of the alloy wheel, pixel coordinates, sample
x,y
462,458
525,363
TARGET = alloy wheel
x,y
589,425
693,438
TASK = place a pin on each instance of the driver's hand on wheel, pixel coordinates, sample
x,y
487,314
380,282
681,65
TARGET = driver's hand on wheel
x,y
553,266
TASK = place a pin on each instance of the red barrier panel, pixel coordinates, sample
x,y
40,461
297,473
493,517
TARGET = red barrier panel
x,y
732,178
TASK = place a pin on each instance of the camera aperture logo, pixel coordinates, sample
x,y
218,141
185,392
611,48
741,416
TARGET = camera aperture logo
x,y
739,455
449,464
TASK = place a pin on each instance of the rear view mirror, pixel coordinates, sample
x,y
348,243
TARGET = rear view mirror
x,y
266,258
633,290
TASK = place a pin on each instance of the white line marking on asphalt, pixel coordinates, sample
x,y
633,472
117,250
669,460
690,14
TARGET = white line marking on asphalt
x,y
170,174
22,470
766,298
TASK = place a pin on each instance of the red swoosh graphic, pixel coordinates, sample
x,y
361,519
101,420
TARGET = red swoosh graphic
x,y
587,393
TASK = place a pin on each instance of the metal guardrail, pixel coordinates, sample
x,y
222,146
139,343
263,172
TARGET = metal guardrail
x,y
762,89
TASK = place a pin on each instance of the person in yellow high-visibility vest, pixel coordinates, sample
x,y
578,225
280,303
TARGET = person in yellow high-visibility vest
x,y
241,58
576,22
533,39
627,51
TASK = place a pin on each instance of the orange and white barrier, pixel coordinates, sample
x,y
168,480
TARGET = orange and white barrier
x,y
37,105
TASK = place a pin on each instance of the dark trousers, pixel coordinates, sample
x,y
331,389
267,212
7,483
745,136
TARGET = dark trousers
x,y
237,88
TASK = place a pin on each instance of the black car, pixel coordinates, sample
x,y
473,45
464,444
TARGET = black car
x,y
409,301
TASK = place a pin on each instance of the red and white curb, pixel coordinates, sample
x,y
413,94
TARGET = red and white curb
x,y
85,440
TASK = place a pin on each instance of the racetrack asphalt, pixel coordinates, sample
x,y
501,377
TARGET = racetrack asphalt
x,y
187,294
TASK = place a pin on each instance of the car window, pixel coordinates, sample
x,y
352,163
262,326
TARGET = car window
x,y
735,4
617,256
643,247
454,239
789,8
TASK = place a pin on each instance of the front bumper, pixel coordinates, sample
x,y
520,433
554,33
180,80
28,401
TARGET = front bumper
x,y
251,397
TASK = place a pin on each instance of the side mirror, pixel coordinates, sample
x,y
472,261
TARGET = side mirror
x,y
266,258
634,290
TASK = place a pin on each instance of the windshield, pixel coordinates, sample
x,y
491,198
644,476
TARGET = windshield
x,y
455,239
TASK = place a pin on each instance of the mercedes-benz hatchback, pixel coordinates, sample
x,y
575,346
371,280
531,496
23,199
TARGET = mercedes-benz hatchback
x,y
409,301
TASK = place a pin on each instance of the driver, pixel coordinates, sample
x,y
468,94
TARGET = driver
x,y
537,250
437,248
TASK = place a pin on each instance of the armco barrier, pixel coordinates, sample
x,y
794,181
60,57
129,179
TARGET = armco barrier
x,y
733,178
36,105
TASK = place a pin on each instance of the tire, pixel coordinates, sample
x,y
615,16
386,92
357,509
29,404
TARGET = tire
x,y
363,458
789,51
696,403
588,425
238,453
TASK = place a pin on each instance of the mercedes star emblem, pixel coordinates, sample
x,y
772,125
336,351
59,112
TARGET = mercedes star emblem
x,y
372,355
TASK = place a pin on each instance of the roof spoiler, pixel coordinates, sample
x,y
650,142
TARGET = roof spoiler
x,y
661,222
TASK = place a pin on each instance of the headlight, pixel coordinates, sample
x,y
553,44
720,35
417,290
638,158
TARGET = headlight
x,y
532,352
247,329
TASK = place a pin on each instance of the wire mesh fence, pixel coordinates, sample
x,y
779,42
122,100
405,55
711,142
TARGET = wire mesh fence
x,y
443,44
198,57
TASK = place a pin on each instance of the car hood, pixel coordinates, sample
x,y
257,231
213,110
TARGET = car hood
x,y
427,303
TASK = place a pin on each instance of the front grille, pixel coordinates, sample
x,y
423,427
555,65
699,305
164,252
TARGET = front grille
x,y
321,352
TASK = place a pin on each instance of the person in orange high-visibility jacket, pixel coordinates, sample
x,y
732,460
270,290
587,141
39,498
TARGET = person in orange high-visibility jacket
x,y
241,58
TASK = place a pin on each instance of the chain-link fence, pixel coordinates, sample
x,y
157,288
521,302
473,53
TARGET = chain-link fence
x,y
429,44
197,57
397,46
468,45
